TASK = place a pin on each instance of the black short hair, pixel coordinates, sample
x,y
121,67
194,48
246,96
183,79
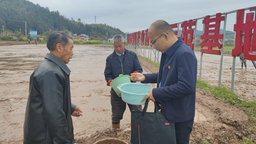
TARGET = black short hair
x,y
57,37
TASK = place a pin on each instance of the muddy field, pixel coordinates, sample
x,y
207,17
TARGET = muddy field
x,y
245,79
8,43
215,121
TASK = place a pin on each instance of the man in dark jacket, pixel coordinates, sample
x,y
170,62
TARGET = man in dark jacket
x,y
176,79
121,61
243,60
48,113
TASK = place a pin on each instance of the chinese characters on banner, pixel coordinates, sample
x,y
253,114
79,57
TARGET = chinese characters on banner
x,y
245,42
146,38
134,38
245,31
188,33
128,38
174,26
138,38
142,37
211,34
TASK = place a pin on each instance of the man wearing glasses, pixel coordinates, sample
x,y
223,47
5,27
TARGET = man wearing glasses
x,y
176,79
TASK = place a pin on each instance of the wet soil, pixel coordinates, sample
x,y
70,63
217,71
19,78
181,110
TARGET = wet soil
x,y
245,79
215,121
8,43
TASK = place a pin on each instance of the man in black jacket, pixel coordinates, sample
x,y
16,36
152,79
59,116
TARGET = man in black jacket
x,y
48,113
121,61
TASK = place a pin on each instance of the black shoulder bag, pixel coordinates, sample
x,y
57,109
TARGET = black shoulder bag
x,y
151,127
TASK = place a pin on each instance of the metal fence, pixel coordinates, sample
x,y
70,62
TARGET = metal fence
x,y
155,56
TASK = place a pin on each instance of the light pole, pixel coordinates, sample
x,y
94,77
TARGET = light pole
x,y
26,28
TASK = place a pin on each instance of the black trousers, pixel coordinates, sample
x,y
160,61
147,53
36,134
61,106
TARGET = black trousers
x,y
119,106
183,130
244,64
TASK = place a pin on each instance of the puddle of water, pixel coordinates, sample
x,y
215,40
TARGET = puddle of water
x,y
12,99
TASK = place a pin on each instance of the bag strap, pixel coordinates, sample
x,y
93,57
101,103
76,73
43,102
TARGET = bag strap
x,y
156,107
146,107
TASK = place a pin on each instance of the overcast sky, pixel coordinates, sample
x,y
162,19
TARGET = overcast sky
x,y
135,15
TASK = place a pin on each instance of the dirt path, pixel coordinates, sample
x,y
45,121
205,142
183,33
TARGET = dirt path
x,y
216,121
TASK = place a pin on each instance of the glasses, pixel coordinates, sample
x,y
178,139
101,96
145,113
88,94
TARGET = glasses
x,y
157,39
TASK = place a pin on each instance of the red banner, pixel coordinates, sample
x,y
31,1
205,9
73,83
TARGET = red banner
x,y
188,33
146,38
245,35
142,37
138,38
212,40
174,26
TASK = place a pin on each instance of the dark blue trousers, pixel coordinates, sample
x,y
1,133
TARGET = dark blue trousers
x,y
183,130
119,106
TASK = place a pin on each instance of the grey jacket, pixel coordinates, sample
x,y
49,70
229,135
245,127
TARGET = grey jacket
x,y
48,112
114,66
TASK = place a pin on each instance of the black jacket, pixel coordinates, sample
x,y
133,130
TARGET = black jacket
x,y
177,75
48,113
114,66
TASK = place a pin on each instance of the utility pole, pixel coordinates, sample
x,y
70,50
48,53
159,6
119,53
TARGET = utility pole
x,y
26,28
95,19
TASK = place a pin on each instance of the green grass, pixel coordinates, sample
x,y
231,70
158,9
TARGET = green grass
x,y
76,41
42,40
202,141
150,61
109,43
224,95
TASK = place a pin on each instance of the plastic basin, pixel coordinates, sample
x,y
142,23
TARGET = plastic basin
x,y
110,141
121,79
133,93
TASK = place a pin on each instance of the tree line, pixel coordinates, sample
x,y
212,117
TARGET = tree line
x,y
14,13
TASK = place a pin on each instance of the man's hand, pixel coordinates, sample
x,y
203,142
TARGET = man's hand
x,y
77,112
137,77
149,96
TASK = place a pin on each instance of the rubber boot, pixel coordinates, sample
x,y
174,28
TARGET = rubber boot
x,y
116,125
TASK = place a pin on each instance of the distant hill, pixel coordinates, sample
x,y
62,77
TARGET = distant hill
x,y
13,13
